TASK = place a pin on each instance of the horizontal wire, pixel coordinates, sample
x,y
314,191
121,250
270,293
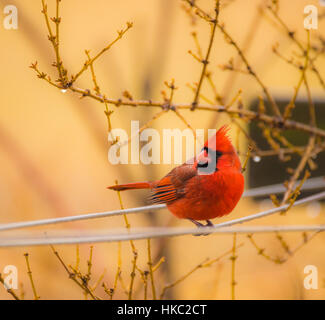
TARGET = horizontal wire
x,y
277,188
310,184
104,237
317,196
87,216
168,232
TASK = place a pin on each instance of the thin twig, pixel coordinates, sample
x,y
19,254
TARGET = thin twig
x,y
205,61
29,272
9,290
134,250
89,62
233,259
292,36
204,264
72,275
153,287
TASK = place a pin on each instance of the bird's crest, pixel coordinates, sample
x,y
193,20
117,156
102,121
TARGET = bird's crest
x,y
220,141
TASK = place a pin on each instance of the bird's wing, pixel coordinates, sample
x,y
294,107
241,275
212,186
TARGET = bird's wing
x,y
172,186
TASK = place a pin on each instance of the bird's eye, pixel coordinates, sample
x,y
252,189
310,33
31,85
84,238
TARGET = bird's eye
x,y
209,166
213,154
206,150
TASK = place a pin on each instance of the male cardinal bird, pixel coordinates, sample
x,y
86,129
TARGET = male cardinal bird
x,y
207,187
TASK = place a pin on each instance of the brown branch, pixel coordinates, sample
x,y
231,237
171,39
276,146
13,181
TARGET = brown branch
x,y
133,248
205,61
251,71
54,39
291,105
153,287
29,272
112,290
241,54
233,259
248,114
10,291
292,36
89,62
72,276
302,163
261,252
204,264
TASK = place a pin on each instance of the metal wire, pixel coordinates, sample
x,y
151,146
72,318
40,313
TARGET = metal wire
x,y
96,237
27,240
310,184
100,236
277,188
88,216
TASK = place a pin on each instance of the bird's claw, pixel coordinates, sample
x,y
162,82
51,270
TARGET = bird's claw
x,y
202,226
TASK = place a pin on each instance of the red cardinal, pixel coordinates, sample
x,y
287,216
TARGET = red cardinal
x,y
207,187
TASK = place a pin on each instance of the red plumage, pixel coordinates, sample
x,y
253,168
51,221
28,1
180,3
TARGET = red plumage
x,y
209,187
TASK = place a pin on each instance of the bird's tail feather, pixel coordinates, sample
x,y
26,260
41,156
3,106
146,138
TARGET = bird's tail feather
x,y
128,186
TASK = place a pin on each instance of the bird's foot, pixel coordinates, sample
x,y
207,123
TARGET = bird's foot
x,y
200,225
209,223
